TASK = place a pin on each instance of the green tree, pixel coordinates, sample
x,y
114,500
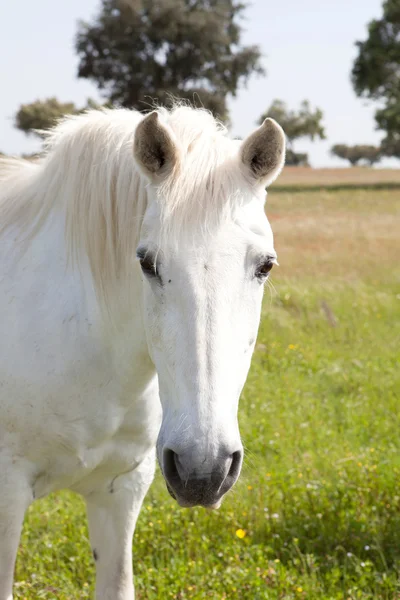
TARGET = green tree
x,y
142,51
355,154
341,151
391,145
305,122
388,119
40,115
376,73
296,159
371,154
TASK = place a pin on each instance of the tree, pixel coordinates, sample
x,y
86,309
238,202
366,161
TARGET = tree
x,y
303,123
376,73
43,114
388,119
371,154
391,145
141,51
340,150
296,159
355,154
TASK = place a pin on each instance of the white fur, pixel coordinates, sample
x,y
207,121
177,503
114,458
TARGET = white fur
x,y
87,340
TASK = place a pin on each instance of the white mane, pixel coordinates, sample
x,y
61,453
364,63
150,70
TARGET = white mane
x,y
89,171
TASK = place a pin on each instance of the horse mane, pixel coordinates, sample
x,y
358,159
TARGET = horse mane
x,y
88,171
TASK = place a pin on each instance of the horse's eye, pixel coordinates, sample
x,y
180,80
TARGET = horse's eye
x,y
148,263
149,267
264,268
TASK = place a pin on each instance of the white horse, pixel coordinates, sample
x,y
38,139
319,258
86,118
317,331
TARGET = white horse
x,y
132,263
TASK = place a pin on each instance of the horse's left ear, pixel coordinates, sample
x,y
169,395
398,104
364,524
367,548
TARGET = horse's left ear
x,y
154,147
263,152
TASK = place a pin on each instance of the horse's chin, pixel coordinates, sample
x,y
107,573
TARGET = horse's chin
x,y
185,504
214,506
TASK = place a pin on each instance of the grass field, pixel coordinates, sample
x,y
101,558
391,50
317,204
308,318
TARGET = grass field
x,y
306,176
316,514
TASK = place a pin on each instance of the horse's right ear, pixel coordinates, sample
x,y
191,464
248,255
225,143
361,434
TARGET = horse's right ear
x,y
154,147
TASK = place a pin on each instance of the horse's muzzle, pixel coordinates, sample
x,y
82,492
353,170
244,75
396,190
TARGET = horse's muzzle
x,y
200,486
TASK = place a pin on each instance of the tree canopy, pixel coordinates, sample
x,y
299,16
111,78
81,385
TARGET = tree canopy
x,y
296,159
376,73
43,114
305,122
142,51
355,154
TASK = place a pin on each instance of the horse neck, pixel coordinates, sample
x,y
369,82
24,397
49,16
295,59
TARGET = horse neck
x,y
88,216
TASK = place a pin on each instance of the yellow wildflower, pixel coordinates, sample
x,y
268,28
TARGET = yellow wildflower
x,y
240,533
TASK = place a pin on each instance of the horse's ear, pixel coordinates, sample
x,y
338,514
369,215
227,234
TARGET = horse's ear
x,y
154,147
263,152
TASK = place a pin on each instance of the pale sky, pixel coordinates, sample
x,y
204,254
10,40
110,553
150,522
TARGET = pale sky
x,y
307,46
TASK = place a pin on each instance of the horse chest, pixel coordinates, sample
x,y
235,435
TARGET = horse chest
x,y
94,463
80,427
66,414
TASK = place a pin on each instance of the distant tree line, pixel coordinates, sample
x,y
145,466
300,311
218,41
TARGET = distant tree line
x,y
35,118
355,154
145,52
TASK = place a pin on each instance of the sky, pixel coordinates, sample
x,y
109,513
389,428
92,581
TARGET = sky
x,y
308,49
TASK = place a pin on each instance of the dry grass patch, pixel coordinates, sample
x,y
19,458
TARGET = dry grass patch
x,y
346,235
324,177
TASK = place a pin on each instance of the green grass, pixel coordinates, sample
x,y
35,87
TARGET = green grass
x,y
319,497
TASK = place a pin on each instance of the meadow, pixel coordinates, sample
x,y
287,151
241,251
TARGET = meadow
x,y
316,513
296,177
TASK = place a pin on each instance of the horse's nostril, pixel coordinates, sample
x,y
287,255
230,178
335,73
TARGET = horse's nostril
x,y
236,465
192,482
169,461
234,471
171,465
